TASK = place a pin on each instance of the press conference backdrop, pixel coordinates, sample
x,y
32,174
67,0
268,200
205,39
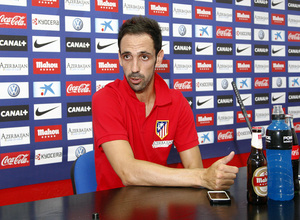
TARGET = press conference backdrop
x,y
55,54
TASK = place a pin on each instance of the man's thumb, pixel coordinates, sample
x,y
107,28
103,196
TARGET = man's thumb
x,y
227,158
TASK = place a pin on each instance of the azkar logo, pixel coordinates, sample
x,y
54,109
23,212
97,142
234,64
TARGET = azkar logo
x,y
162,128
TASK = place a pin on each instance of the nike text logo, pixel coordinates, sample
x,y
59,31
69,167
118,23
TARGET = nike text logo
x,y
99,47
201,103
37,45
238,50
200,49
276,51
274,99
40,113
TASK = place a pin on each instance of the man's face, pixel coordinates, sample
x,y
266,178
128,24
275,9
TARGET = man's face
x,y
138,59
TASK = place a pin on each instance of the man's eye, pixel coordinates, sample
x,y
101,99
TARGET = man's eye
x,y
126,57
145,58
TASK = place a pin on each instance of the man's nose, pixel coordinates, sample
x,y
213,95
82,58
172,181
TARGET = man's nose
x,y
135,65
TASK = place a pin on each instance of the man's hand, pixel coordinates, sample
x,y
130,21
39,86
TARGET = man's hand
x,y
220,176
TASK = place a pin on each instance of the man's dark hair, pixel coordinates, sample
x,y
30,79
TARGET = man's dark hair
x,y
141,25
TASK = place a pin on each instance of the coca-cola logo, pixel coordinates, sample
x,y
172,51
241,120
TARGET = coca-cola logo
x,y
261,83
15,159
295,152
78,88
297,127
294,36
224,32
183,84
13,20
225,135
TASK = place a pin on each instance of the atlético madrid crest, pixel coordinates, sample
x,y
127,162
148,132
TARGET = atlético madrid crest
x,y
162,128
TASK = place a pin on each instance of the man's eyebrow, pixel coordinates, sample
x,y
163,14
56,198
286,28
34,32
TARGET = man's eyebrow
x,y
141,52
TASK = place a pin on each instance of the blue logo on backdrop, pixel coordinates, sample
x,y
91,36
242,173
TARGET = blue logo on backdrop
x,y
13,90
77,24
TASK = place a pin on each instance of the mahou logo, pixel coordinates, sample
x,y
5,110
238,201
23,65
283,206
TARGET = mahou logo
x,y
78,88
203,13
15,159
261,83
278,66
184,85
225,135
244,66
48,133
13,20
106,5
240,117
278,19
224,32
164,67
46,3
204,66
107,66
46,66
158,8
294,36
243,16
297,127
205,119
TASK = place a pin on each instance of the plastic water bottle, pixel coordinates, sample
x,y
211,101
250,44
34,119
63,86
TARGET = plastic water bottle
x,y
279,144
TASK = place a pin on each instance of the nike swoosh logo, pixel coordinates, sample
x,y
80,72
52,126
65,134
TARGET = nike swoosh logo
x,y
245,99
277,3
238,50
37,45
201,103
274,99
276,51
40,113
99,47
200,49
238,1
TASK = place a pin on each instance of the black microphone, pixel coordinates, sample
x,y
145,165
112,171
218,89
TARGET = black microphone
x,y
240,101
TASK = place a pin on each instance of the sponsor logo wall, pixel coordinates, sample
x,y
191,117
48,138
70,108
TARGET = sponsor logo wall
x,y
55,54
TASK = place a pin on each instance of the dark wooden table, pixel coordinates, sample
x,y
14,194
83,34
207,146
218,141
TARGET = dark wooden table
x,y
152,203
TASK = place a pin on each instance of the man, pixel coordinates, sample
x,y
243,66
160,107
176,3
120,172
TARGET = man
x,y
136,120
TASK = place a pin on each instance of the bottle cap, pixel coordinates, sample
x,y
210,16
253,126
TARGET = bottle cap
x,y
278,112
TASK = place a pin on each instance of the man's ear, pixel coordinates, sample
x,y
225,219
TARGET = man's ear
x,y
160,57
120,60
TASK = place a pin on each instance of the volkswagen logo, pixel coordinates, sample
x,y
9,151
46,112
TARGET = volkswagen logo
x,y
77,24
279,82
261,34
182,30
80,151
224,84
13,90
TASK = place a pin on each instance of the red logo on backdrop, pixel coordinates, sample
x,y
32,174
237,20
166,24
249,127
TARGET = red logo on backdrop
x,y
107,66
204,66
106,5
164,67
224,32
184,85
203,13
158,8
205,119
278,66
240,117
244,66
13,20
46,3
48,133
225,135
78,88
297,127
278,19
294,36
243,16
46,66
15,159
261,83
